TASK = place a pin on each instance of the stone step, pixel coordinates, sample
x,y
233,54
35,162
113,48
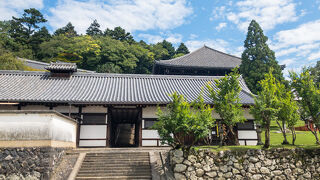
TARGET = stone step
x,y
98,163
115,158
116,177
128,165
116,170
118,166
113,174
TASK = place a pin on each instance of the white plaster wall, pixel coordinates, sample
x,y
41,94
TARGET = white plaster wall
x,y
149,143
65,109
150,134
247,134
31,126
93,131
62,129
94,109
97,143
150,112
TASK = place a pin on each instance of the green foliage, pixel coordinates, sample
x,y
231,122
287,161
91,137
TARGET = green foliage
x,y
159,51
308,92
168,46
267,104
119,33
179,121
257,58
94,29
182,49
29,21
315,72
225,96
67,30
288,113
9,62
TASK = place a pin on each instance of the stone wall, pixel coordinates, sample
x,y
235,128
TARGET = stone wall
x,y
251,164
28,163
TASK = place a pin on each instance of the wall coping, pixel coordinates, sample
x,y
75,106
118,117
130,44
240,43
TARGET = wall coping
x,y
54,112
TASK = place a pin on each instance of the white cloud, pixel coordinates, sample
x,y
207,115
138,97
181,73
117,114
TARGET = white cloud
x,y
307,33
9,8
299,46
173,38
151,38
268,13
221,26
193,36
218,44
129,14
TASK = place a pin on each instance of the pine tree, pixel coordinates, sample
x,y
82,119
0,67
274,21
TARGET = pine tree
x,y
182,49
93,29
67,30
168,46
257,58
119,33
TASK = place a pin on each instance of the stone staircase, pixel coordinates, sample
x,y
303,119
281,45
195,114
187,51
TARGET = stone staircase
x,y
115,165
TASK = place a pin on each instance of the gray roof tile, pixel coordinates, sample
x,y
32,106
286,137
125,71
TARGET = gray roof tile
x,y
204,57
98,88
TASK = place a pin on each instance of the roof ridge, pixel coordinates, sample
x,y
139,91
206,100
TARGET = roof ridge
x,y
223,52
181,56
111,75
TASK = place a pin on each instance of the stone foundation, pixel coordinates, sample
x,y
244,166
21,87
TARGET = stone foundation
x,y
28,163
250,164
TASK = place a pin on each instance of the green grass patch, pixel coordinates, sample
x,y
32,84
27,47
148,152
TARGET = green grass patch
x,y
305,139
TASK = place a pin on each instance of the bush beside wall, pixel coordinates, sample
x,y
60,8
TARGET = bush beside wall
x,y
251,164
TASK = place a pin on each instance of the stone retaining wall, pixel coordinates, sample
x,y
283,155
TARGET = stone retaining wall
x,y
251,164
28,163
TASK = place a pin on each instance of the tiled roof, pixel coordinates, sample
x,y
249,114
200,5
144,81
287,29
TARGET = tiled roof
x,y
204,57
42,65
98,88
60,66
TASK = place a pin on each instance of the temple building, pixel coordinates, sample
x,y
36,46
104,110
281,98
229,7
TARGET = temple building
x,y
202,62
109,110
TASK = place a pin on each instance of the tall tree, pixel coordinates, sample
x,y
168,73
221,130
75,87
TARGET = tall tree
x,y
30,20
227,104
119,33
182,49
94,29
266,104
67,30
288,114
37,38
168,46
308,92
257,58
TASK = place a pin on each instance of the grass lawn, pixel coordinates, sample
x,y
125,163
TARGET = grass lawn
x,y
305,139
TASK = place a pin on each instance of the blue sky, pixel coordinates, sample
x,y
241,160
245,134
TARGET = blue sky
x,y
293,26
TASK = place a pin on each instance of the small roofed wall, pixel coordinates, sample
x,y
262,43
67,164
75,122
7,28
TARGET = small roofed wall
x,y
36,129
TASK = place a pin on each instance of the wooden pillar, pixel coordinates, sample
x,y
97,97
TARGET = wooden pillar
x,y
78,124
140,126
108,143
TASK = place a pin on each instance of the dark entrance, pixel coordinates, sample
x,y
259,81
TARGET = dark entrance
x,y
125,127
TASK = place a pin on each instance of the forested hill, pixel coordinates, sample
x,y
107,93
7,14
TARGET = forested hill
x,y
110,51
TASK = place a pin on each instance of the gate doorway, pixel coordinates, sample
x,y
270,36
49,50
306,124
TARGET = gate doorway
x,y
125,127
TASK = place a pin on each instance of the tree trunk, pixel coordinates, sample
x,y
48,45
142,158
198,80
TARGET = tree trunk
x,y
267,137
234,136
283,131
220,128
313,131
294,136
